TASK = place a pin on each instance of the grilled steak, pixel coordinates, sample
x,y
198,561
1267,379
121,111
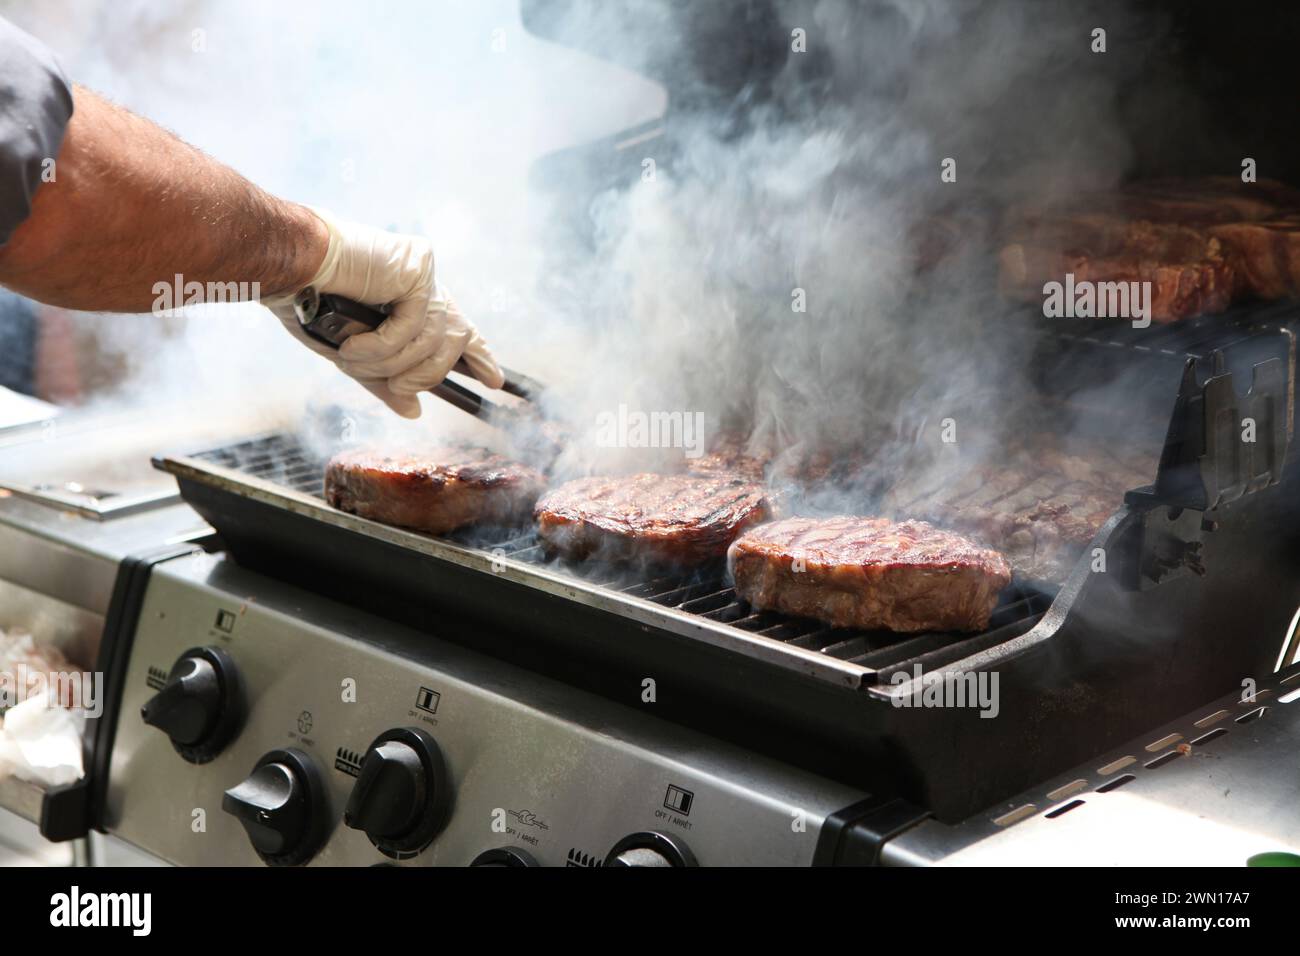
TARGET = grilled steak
x,y
437,491
1039,507
727,464
1188,269
869,573
676,519
1268,252
1201,243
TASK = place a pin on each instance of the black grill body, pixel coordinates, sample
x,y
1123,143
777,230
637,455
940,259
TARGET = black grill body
x,y
1095,664
1199,593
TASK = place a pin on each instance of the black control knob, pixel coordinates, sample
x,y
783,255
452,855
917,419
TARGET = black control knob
x,y
504,856
402,794
649,849
201,706
283,806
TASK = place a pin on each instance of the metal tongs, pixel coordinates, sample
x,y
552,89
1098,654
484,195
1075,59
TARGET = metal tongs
x,y
333,319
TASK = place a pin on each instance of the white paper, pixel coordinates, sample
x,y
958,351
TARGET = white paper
x,y
41,743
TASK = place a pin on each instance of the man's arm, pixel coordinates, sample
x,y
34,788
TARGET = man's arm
x,y
131,205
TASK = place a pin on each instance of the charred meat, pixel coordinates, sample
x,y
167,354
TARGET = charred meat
x,y
1040,507
1201,243
1189,271
437,491
671,519
869,573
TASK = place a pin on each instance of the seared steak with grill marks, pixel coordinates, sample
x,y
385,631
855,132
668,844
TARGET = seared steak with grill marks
x,y
1201,243
676,519
869,573
1268,252
1039,507
1189,270
727,464
437,491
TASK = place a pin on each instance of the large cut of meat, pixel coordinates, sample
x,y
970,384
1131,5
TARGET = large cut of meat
x,y
436,491
728,457
1188,269
869,573
1268,252
677,519
1201,243
1038,506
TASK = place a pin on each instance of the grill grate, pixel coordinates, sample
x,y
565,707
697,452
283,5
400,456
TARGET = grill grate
x,y
1194,337
282,460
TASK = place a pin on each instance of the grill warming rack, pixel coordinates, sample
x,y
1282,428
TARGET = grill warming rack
x,y
1196,337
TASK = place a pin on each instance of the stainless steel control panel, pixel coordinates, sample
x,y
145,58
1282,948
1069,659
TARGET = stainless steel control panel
x,y
529,766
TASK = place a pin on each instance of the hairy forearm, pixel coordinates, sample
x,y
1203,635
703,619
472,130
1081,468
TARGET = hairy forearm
x,y
131,205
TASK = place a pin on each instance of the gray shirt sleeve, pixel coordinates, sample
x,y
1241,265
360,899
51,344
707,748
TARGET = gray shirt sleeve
x,y
35,106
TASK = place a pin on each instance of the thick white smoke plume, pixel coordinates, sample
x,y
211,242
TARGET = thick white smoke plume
x,y
780,253
787,257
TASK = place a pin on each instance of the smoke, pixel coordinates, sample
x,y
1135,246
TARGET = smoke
x,y
419,117
787,258
777,250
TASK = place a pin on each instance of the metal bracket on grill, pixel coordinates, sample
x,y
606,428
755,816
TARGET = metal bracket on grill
x,y
1169,545
1218,448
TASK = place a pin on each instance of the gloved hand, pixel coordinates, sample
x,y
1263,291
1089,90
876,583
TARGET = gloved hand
x,y
424,334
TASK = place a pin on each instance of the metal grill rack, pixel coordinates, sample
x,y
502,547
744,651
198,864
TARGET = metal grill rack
x,y
703,594
1195,337
277,470
708,595
1075,667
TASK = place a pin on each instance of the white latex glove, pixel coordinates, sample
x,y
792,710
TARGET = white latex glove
x,y
424,334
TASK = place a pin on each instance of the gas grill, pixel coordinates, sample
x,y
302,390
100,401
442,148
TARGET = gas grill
x,y
1075,664
700,603
263,656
